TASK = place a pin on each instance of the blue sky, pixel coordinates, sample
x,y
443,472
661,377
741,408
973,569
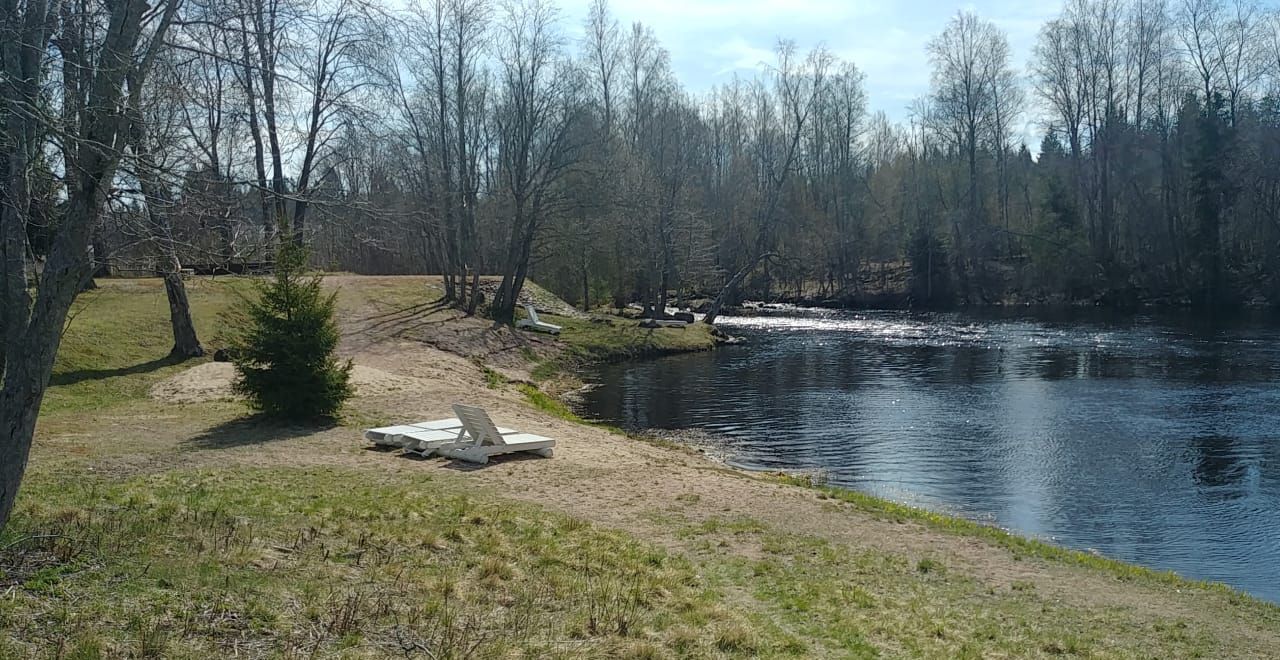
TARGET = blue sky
x,y
710,40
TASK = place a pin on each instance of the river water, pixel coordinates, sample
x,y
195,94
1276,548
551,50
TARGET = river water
x,y
1151,439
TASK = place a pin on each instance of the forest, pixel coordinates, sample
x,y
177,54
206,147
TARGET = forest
x,y
471,137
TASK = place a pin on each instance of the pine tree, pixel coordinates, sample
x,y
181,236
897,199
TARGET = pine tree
x,y
285,354
1211,189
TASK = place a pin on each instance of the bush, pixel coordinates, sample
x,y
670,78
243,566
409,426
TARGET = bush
x,y
284,354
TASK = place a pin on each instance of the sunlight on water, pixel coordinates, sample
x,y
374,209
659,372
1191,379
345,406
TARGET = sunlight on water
x,y
903,331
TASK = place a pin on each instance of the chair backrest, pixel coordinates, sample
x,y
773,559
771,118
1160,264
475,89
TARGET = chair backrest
x,y
476,422
533,313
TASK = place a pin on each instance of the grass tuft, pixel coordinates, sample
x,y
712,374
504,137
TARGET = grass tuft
x,y
492,379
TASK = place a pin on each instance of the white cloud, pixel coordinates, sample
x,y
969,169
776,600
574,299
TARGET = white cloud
x,y
737,55
711,40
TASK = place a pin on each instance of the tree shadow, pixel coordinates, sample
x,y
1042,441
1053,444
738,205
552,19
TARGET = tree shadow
x,y
81,375
398,316
255,430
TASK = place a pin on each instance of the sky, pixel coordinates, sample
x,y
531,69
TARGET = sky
x,y
710,40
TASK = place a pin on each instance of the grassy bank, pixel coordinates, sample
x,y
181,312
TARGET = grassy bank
x,y
300,561
600,337
118,340
1019,546
615,339
147,530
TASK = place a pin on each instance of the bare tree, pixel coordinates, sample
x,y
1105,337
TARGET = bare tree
x,y
148,129
333,71
103,64
969,59
781,122
1199,27
447,40
1238,49
601,43
538,100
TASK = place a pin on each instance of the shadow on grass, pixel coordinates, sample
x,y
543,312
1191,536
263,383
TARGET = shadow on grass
x,y
255,430
81,375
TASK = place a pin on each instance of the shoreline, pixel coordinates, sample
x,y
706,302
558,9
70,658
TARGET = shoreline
x,y
705,446
708,447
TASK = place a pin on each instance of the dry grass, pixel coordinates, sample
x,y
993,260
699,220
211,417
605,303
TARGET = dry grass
x,y
289,562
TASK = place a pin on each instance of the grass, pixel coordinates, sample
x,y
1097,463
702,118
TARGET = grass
x,y
116,344
618,339
492,379
325,561
610,338
1020,546
607,338
290,562
556,408
868,604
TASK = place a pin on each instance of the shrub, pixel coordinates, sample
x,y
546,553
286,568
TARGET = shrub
x,y
284,354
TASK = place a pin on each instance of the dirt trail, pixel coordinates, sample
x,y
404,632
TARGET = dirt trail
x,y
620,482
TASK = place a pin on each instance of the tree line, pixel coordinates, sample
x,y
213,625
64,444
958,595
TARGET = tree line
x,y
485,137
470,137
479,137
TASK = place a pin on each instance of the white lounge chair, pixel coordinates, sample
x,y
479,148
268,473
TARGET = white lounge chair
x,y
426,441
533,323
484,439
394,436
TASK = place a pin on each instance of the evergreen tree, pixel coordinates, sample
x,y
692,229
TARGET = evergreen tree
x,y
1211,192
285,356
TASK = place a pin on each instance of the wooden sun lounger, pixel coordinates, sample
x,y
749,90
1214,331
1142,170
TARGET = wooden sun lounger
x,y
484,439
392,436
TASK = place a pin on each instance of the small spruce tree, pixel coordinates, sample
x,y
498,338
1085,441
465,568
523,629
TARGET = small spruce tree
x,y
284,354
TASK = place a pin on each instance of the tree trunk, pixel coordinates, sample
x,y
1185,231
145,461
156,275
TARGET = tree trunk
x,y
714,311
475,294
90,167
30,361
185,342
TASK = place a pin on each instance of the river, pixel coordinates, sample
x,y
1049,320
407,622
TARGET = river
x,y
1153,439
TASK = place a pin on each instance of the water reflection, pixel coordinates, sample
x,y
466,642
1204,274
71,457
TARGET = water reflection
x,y
1150,439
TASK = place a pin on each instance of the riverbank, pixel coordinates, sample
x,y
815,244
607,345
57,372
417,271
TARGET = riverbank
x,y
149,527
